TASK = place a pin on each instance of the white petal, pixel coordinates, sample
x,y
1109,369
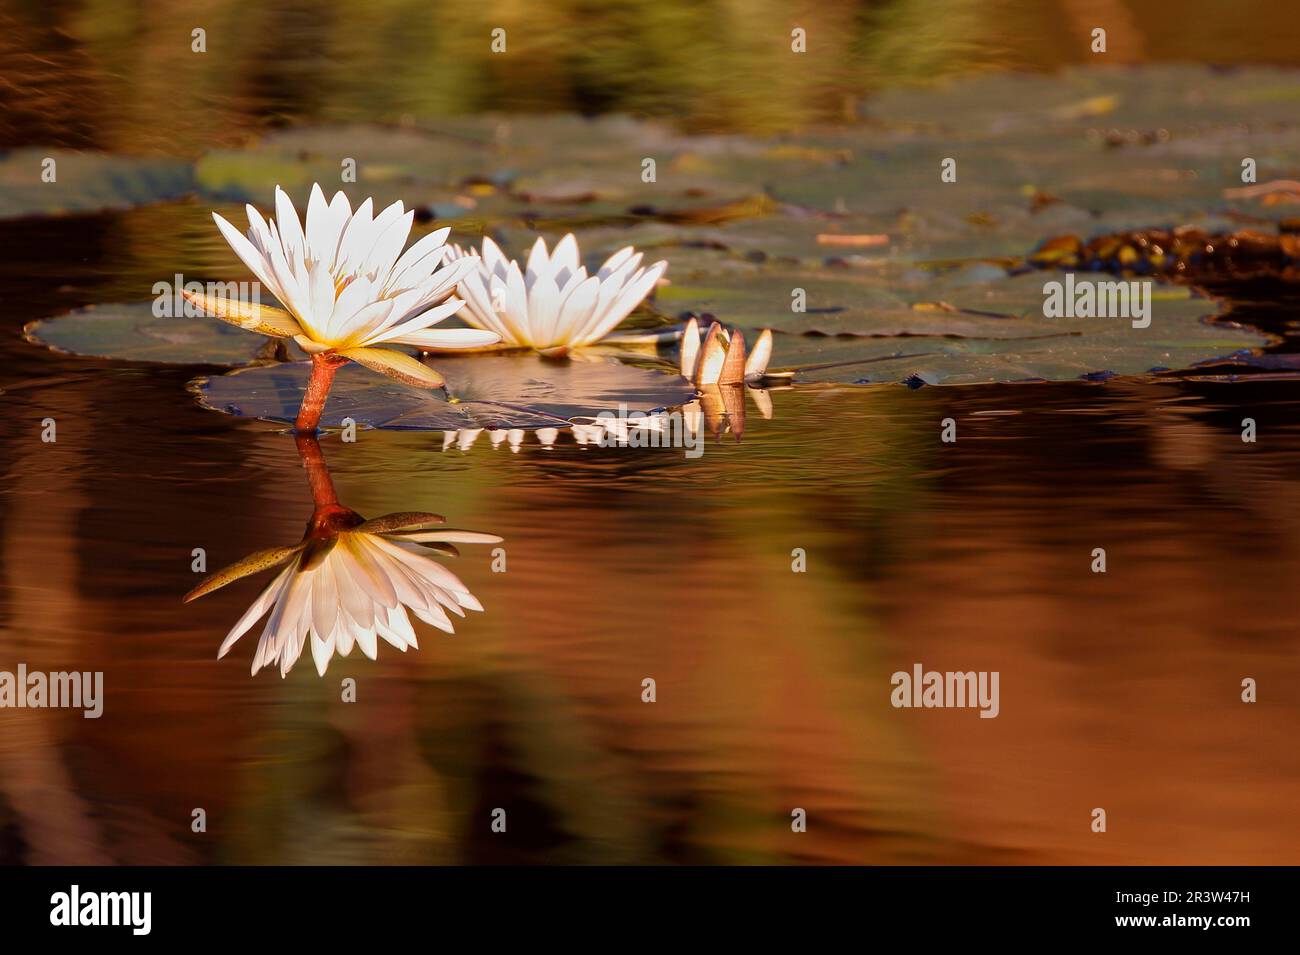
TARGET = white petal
x,y
543,310
758,359
538,262
478,307
321,651
388,246
431,248
514,311
287,218
628,299
690,348
254,613
420,322
576,311
493,257
249,254
355,242
449,338
615,261
565,255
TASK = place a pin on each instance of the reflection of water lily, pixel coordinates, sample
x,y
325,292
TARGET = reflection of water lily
x,y
348,288
552,304
349,581
716,409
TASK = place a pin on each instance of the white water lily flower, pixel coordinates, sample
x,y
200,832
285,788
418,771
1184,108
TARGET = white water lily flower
x,y
352,586
552,304
348,286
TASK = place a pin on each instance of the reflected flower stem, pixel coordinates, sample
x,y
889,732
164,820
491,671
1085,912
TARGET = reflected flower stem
x,y
323,494
323,368
328,516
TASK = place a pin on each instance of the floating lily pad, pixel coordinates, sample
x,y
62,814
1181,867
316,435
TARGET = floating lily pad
x,y
956,331
1176,98
85,182
131,332
492,168
448,177
1160,145
492,391
1089,151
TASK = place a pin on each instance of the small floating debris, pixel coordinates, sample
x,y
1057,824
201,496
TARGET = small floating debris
x,y
852,241
1275,192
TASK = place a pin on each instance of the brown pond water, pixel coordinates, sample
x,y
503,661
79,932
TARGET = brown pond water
x,y
1118,690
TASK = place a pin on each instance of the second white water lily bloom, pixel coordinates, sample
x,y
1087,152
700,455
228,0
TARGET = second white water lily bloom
x,y
347,284
552,304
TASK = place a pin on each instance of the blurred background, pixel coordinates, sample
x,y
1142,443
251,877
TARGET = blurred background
x,y
120,76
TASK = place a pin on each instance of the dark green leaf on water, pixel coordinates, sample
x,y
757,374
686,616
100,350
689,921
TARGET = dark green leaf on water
x,y
131,332
953,331
1180,99
392,164
488,169
85,182
1087,152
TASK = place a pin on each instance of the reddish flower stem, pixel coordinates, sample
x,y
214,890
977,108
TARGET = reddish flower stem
x,y
323,367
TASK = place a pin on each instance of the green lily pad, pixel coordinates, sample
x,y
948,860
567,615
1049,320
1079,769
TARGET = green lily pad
x,y
491,169
1175,98
1158,146
492,391
85,182
1088,151
392,163
957,329
131,332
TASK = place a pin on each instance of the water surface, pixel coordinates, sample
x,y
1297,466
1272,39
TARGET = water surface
x,y
1118,690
